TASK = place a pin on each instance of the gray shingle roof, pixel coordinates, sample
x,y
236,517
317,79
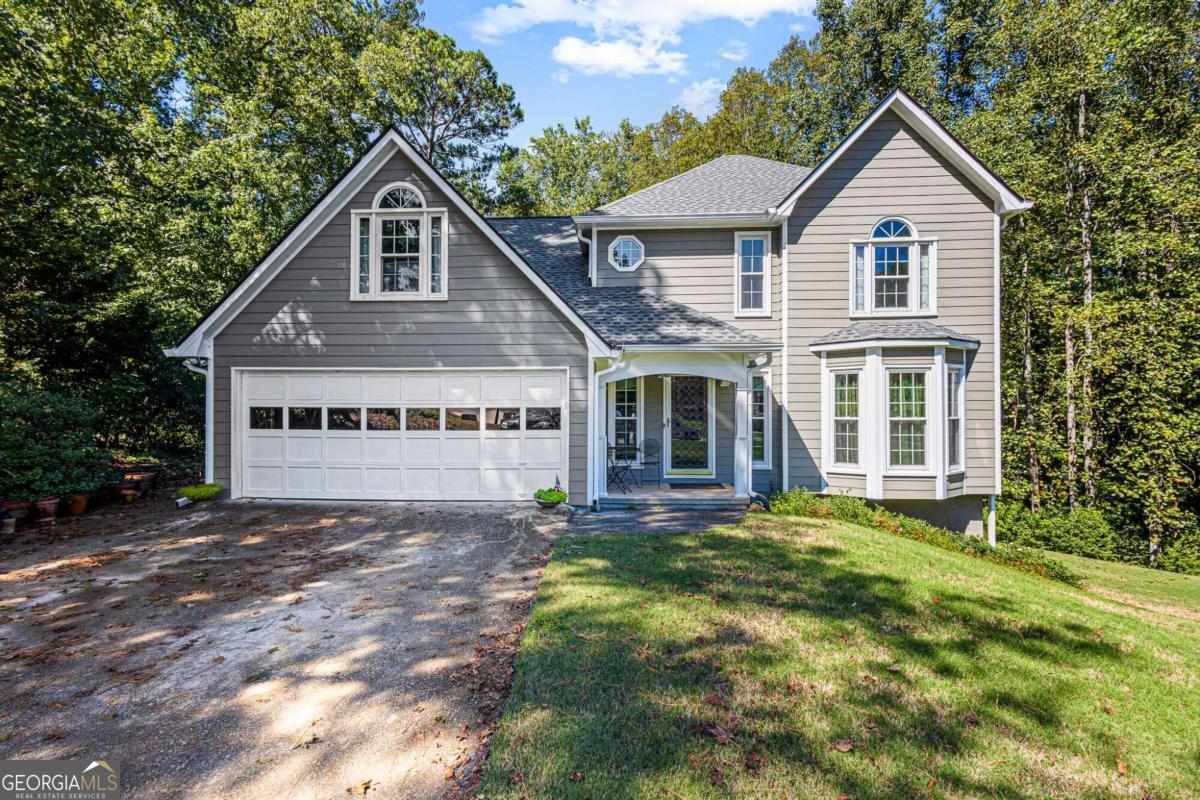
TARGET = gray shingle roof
x,y
621,315
725,185
904,329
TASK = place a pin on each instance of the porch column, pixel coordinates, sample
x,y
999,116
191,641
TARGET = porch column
x,y
741,444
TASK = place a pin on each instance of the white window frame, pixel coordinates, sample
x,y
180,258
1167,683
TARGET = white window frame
x,y
914,243
960,400
641,417
836,466
376,216
766,463
739,310
613,246
901,470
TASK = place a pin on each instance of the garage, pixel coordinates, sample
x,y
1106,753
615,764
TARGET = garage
x,y
398,434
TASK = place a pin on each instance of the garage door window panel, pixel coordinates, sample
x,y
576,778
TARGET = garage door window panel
x,y
345,419
462,419
502,419
304,418
266,418
543,419
384,419
423,419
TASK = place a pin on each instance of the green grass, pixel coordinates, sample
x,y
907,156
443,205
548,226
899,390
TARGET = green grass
x,y
1172,599
732,663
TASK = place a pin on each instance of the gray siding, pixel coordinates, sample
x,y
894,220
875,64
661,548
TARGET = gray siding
x,y
694,266
891,171
494,317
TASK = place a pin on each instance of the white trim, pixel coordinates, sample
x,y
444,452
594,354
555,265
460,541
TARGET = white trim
x,y
874,423
640,411
928,469
1007,201
398,185
936,448
768,274
710,470
999,453
767,463
961,400
314,221
424,256
785,301
613,246
591,423
677,220
592,258
835,347
829,417
914,245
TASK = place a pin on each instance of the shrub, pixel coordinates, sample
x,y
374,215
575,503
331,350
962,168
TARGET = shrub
x,y
554,495
200,491
1082,532
48,446
801,502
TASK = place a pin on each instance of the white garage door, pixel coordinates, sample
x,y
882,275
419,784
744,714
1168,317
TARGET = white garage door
x,y
400,435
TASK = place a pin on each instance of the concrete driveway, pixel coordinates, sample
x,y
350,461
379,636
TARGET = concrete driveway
x,y
268,650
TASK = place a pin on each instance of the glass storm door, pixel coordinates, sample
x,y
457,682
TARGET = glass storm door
x,y
688,431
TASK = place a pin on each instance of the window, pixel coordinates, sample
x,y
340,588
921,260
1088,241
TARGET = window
x,y
906,419
626,253
892,273
543,419
345,419
304,419
383,419
845,418
502,419
422,419
954,427
625,427
266,418
752,256
462,419
760,421
399,248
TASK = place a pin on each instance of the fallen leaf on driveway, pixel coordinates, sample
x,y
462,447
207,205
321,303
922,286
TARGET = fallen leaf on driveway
x,y
843,745
361,788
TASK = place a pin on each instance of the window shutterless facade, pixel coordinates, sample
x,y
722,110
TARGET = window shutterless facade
x,y
893,273
399,248
907,419
954,419
845,418
760,421
752,274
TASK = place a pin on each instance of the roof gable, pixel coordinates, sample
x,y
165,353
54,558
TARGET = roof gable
x,y
325,209
1007,201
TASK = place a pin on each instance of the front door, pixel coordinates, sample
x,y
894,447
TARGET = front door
x,y
689,418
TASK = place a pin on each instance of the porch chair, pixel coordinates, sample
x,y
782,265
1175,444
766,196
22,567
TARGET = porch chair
x,y
651,450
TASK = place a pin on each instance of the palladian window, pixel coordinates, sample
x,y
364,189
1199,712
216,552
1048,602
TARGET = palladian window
x,y
893,272
399,247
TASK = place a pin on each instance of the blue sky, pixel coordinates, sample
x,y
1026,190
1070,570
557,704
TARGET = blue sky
x,y
612,59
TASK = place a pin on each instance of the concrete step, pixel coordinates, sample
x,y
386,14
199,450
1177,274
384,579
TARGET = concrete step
x,y
682,502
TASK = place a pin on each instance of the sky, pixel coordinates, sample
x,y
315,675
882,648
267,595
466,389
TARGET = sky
x,y
616,59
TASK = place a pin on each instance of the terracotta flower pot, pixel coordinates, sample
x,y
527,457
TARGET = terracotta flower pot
x,y
78,504
144,480
128,495
17,509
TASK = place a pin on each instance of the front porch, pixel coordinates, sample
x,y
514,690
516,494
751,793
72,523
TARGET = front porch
x,y
677,429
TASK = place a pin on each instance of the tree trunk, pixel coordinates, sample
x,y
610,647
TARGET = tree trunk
x,y
1085,236
1035,489
1072,434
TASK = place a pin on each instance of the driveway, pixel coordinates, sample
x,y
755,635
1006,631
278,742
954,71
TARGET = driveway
x,y
268,650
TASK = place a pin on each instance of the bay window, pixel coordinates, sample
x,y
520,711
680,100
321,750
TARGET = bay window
x,y
893,272
845,418
399,248
906,419
954,426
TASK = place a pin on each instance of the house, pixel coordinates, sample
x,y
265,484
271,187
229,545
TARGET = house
x,y
745,326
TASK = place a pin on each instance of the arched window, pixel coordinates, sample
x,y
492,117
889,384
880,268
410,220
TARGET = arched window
x,y
399,195
400,248
893,272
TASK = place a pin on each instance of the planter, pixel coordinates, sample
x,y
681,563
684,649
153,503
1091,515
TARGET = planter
x,y
46,509
128,495
78,504
546,503
17,509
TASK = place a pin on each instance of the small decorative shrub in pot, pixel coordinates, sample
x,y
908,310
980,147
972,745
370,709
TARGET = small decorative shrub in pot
x,y
200,491
549,498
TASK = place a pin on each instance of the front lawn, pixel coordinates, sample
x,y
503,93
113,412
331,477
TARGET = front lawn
x,y
788,657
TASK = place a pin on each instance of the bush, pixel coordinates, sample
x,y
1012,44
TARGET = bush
x,y
1082,532
555,495
200,491
803,503
48,446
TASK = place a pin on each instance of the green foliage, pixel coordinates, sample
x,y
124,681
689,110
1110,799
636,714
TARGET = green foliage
x,y
1082,532
48,446
554,495
200,491
803,503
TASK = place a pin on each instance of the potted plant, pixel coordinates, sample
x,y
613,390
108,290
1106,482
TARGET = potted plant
x,y
549,498
197,493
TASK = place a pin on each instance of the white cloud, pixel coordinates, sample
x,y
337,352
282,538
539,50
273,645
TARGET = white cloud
x,y
562,76
620,58
700,97
734,50
628,37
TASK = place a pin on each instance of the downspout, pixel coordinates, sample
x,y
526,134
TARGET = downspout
x,y
600,422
